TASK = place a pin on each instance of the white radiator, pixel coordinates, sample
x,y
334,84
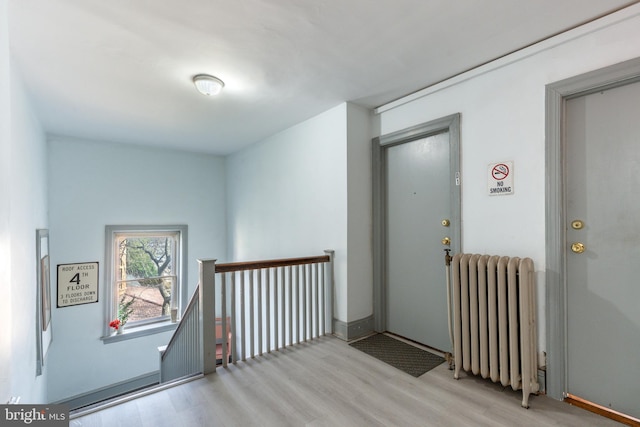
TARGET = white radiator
x,y
494,333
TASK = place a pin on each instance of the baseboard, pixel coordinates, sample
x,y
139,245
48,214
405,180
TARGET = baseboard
x,y
353,330
602,410
111,391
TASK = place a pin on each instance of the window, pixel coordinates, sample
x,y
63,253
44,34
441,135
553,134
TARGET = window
x,y
145,276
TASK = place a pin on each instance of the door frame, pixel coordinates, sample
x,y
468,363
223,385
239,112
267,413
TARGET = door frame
x,y
380,145
556,275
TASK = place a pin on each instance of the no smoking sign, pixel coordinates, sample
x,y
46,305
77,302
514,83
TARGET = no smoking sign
x,y
500,179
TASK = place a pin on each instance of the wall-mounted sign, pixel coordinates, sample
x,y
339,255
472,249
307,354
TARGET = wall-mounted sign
x,y
77,284
501,179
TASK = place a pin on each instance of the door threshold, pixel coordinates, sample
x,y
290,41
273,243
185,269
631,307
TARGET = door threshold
x,y
445,354
602,410
416,344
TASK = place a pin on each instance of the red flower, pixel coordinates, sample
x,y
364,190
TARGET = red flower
x,y
115,324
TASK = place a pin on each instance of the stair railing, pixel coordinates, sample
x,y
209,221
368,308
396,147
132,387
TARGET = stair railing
x,y
261,306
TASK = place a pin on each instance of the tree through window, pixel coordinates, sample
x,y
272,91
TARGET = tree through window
x,y
146,273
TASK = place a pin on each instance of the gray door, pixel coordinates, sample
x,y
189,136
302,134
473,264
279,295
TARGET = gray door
x,y
417,202
603,248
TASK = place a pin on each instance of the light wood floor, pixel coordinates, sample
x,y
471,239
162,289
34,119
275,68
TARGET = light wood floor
x,y
328,383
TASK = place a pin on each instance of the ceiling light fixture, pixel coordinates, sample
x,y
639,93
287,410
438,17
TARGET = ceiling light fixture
x,y
208,85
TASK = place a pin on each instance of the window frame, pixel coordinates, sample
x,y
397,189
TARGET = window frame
x,y
111,295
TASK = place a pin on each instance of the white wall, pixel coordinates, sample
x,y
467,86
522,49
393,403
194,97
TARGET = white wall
x,y
92,184
5,231
287,196
22,209
28,211
359,215
503,118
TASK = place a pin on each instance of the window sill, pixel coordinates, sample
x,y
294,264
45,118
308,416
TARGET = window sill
x,y
140,331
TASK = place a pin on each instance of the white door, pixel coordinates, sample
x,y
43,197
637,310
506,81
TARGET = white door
x,y
417,203
603,248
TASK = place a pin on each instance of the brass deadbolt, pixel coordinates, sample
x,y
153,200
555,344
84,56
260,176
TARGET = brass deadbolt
x,y
446,223
577,224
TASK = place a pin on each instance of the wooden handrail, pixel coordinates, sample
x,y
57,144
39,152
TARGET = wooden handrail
x,y
254,265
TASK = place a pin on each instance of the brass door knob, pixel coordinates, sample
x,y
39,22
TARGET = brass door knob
x,y
446,241
578,247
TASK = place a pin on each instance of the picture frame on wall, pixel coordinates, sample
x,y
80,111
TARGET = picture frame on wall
x,y
43,298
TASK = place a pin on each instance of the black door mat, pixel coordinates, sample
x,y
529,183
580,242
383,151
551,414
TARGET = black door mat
x,y
398,354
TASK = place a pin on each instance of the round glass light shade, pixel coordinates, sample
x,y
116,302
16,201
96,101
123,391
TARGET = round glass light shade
x,y
208,85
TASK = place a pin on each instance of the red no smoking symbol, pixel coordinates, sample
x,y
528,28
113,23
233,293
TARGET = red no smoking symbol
x,y
500,172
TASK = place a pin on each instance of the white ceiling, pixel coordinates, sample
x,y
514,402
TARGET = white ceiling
x,y
121,70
